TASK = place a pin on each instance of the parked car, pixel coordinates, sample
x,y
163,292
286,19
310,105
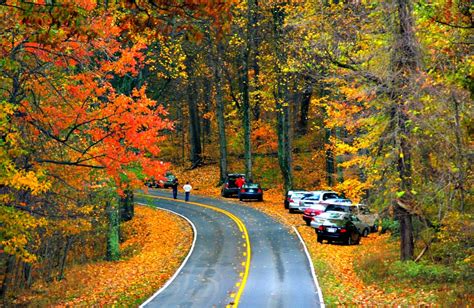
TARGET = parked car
x,y
168,181
337,227
251,191
360,210
293,198
151,182
165,182
229,188
315,209
316,197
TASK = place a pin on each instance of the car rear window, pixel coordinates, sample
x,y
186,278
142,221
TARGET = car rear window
x,y
330,215
251,185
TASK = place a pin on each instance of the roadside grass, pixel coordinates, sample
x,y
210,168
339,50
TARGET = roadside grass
x,y
156,244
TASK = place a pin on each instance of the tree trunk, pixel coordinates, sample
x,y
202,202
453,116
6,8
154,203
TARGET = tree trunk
x,y
406,234
194,125
404,63
245,110
64,257
126,206
282,104
206,123
220,115
113,247
304,107
329,160
7,277
461,179
254,45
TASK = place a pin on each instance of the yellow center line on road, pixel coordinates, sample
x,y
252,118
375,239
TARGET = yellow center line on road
x,y
242,229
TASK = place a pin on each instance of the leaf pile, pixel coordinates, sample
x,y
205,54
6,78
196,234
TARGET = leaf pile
x,y
156,241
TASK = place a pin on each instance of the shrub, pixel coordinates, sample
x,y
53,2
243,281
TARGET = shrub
x,y
423,271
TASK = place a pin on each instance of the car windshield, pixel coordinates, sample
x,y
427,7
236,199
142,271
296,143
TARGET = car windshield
x,y
299,195
251,185
331,196
311,197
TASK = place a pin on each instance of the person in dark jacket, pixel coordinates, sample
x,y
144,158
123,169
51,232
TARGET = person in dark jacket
x,y
174,187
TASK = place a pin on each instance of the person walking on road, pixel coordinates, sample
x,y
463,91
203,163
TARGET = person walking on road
x,y
187,190
174,186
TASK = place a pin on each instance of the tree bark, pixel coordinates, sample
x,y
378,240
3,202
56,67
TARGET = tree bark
x,y
281,102
7,277
404,63
304,107
220,114
254,45
245,109
113,248
126,206
194,125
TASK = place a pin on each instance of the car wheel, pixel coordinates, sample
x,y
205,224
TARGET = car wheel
x,y
353,239
320,240
240,199
260,198
308,222
365,233
291,211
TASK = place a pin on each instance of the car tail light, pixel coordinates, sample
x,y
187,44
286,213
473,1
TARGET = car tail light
x,y
290,200
242,190
226,185
343,230
321,228
259,190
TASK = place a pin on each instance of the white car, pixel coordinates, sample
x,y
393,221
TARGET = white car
x,y
316,197
293,199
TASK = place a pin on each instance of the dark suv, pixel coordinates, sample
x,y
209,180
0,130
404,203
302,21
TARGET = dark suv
x,y
229,188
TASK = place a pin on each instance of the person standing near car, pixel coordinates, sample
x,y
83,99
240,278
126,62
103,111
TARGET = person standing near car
x,y
239,183
174,187
187,191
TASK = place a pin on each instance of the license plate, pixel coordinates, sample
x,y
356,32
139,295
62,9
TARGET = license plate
x,y
250,190
332,230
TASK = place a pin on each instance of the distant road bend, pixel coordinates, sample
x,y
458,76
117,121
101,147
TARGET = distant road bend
x,y
241,257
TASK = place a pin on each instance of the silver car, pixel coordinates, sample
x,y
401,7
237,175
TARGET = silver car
x,y
316,197
294,197
361,226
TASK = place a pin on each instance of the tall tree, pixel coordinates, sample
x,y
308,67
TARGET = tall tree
x,y
404,65
281,99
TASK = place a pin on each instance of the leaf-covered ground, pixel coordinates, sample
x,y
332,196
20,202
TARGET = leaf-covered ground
x,y
157,242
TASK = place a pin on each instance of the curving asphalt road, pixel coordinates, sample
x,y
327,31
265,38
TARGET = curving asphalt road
x,y
279,272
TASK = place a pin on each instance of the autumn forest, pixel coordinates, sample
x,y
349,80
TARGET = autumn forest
x,y
372,99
